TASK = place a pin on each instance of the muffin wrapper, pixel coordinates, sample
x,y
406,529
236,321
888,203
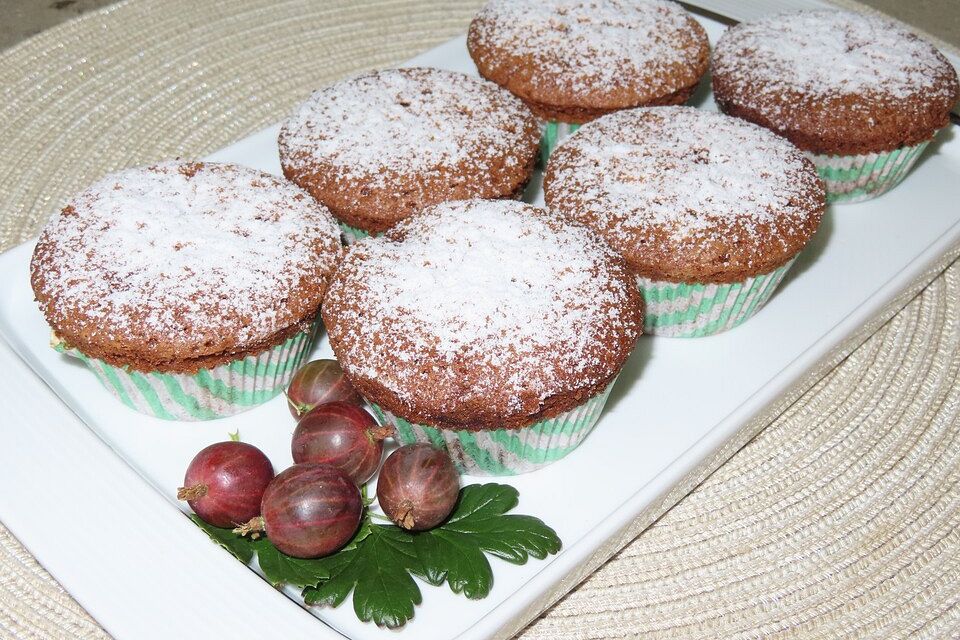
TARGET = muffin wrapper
x,y
684,310
210,393
505,452
856,178
351,234
553,133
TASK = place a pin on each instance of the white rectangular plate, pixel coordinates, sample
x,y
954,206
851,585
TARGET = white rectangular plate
x,y
94,501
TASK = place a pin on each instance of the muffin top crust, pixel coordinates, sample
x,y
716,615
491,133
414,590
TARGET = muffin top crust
x,y
381,146
834,81
482,314
687,195
573,60
181,266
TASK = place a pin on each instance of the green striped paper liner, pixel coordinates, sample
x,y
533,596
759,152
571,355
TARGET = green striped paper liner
x,y
553,133
352,234
693,310
505,452
210,393
855,178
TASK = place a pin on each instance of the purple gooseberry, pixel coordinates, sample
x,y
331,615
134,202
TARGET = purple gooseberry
x,y
308,511
318,382
418,486
225,483
342,435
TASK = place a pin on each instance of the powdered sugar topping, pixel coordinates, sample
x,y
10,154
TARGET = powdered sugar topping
x,y
591,47
490,302
822,54
684,176
186,254
404,121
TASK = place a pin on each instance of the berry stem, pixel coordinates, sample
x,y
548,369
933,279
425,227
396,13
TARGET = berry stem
x,y
192,493
378,434
405,515
364,498
253,528
299,407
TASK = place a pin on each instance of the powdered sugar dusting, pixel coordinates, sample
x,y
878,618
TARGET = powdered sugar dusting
x,y
590,47
402,122
185,254
684,176
823,54
495,303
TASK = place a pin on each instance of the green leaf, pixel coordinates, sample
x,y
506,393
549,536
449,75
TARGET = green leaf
x,y
379,564
362,532
452,558
455,551
280,569
490,498
277,567
226,538
377,570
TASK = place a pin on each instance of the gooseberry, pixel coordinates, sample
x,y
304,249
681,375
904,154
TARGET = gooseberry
x,y
308,511
418,486
342,435
225,483
318,382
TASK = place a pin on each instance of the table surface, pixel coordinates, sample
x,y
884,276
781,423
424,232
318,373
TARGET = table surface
x,y
24,18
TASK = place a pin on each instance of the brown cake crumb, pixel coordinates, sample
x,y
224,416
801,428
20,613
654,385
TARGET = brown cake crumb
x,y
182,266
482,315
835,82
380,147
575,61
687,195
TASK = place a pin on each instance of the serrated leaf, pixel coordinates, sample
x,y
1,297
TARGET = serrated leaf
x,y
377,566
510,537
362,532
280,569
455,551
226,538
377,570
277,567
453,558
483,499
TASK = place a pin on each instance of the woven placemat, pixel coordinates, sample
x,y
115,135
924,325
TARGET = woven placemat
x,y
840,519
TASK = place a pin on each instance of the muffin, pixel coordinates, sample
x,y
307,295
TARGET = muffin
x,y
489,327
860,95
708,210
378,148
575,60
191,290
